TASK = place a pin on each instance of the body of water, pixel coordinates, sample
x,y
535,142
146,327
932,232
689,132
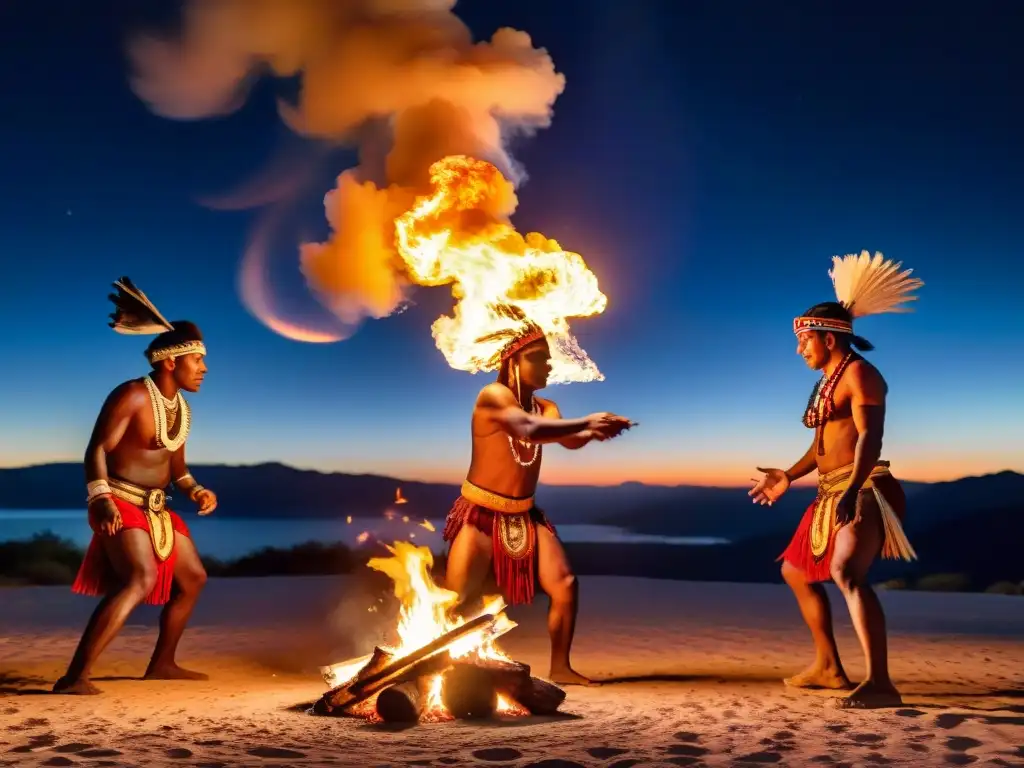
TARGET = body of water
x,y
226,537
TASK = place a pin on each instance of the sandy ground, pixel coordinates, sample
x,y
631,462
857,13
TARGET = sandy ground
x,y
699,668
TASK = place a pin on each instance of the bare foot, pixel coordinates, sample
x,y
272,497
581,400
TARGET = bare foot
x,y
815,677
870,695
570,676
173,672
79,687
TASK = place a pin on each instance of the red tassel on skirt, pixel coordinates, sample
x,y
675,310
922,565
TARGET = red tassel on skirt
x,y
516,578
96,576
798,553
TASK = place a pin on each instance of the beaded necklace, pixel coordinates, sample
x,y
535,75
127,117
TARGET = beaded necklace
x,y
160,420
821,404
535,409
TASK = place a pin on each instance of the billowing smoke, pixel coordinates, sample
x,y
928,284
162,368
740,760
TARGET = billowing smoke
x,y
402,80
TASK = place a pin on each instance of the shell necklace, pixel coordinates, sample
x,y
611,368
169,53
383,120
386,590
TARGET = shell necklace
x,y
525,443
161,406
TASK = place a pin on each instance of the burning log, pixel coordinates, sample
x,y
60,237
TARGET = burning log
x,y
471,687
430,659
540,697
469,692
404,702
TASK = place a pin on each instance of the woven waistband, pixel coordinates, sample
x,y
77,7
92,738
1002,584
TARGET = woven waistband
x,y
838,479
150,499
495,501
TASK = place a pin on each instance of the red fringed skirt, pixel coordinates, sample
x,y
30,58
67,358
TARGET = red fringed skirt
x,y
514,571
798,554
96,576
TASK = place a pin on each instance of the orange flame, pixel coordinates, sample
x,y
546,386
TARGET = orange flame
x,y
461,234
424,615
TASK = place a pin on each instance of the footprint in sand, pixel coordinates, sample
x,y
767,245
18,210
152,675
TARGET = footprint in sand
x,y
908,712
274,752
958,746
99,753
687,750
867,738
949,720
498,754
605,753
74,746
760,757
877,758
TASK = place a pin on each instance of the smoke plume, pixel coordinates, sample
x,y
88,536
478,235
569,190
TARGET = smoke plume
x,y
402,80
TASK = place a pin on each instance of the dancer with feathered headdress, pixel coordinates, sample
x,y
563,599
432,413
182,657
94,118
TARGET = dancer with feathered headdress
x,y
858,512
140,549
495,525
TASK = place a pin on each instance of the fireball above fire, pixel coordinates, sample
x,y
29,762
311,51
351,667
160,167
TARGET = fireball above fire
x,y
460,234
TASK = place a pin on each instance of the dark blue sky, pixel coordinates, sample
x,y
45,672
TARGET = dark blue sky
x,y
706,158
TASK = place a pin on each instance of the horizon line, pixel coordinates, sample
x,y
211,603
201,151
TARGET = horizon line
x,y
805,481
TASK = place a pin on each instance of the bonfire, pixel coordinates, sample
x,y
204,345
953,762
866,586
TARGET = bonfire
x,y
443,667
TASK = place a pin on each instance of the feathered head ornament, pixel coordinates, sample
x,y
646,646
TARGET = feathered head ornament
x,y
135,315
520,333
864,285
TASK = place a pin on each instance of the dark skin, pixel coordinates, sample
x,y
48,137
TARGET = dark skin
x,y
852,435
496,416
123,445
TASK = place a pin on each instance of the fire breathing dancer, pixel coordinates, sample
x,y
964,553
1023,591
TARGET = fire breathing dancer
x,y
858,512
494,526
141,551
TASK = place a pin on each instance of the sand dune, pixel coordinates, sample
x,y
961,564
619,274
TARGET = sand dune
x,y
698,668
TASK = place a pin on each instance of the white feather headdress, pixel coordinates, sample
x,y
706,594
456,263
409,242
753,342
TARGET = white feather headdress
x,y
872,285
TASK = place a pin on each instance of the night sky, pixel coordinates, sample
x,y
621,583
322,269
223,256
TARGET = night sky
x,y
706,158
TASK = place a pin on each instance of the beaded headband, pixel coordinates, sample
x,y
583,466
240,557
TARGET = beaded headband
x,y
188,348
805,324
535,334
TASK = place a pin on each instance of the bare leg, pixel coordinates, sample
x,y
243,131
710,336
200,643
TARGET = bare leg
x,y
131,555
856,547
189,580
468,562
826,671
559,583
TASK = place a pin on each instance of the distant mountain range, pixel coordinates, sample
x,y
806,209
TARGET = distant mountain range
x,y
277,490
973,526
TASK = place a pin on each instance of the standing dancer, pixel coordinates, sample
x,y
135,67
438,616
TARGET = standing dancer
x,y
857,514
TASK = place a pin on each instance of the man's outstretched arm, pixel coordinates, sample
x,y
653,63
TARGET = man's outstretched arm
x,y
573,442
501,407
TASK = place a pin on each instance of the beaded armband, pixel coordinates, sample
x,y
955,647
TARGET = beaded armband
x,y
188,485
95,490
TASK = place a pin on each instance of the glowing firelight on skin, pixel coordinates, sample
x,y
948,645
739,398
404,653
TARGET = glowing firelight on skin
x,y
460,234
424,615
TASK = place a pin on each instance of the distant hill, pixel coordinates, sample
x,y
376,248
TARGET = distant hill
x,y
277,490
701,511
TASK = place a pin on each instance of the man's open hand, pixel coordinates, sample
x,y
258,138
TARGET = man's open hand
x,y
769,488
207,501
104,517
608,425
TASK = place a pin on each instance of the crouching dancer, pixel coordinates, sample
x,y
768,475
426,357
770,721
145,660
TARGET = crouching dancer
x,y
141,551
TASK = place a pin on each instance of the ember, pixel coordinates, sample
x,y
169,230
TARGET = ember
x,y
445,666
